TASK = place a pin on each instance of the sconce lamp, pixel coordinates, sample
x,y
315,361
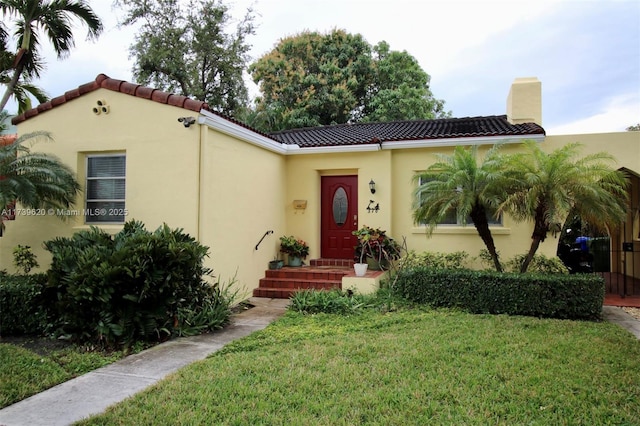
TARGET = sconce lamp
x,y
372,186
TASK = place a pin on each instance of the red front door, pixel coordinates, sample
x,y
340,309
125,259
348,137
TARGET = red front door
x,y
339,211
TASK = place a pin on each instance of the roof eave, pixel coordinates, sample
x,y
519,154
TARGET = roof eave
x,y
243,133
446,142
232,129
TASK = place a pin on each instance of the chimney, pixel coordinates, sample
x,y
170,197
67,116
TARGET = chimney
x,y
524,103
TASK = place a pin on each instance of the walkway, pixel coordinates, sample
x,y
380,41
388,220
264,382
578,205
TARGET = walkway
x,y
93,392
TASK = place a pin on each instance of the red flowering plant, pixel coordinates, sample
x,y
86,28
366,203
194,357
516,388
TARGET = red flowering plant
x,y
294,247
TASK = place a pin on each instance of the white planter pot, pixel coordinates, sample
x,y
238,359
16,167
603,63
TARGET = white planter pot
x,y
360,268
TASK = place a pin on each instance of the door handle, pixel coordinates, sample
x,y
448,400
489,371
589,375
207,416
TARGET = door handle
x,y
355,220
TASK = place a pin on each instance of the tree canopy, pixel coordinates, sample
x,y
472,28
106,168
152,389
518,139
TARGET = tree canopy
x,y
191,50
551,185
314,79
460,185
52,18
34,179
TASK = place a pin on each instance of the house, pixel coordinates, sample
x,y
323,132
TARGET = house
x,y
148,155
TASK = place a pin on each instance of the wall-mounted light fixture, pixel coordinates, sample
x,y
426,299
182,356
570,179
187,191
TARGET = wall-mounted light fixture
x,y
187,121
372,186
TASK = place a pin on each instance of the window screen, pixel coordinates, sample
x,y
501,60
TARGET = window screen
x,y
106,177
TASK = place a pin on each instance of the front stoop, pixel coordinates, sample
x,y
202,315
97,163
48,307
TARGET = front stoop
x,y
282,283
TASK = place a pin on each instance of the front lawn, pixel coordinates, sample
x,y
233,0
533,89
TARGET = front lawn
x,y
25,372
407,367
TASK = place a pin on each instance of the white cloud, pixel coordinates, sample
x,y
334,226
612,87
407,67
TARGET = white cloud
x,y
616,115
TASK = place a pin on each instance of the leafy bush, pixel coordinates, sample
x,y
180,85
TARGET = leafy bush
x,y
328,302
24,259
556,296
22,308
455,260
540,264
135,285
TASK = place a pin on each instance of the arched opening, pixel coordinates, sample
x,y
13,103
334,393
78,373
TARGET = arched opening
x,y
614,254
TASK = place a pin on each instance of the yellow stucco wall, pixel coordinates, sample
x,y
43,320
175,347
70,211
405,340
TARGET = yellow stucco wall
x,y
624,146
303,183
392,170
162,170
243,196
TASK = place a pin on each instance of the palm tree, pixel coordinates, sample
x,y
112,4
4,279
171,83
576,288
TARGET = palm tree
x,y
22,91
54,19
550,185
34,179
456,183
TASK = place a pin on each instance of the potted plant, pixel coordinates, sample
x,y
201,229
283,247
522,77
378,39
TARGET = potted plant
x,y
361,268
276,263
295,248
376,247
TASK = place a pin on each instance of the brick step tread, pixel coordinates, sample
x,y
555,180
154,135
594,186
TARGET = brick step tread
x,y
306,274
297,283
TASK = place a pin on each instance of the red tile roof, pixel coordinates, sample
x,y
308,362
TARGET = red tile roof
x,y
105,82
366,133
336,135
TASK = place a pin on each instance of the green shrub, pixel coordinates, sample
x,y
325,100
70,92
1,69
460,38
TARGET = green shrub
x,y
135,285
455,260
556,296
326,301
540,264
22,308
24,259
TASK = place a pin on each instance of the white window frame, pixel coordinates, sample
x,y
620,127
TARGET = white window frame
x,y
90,213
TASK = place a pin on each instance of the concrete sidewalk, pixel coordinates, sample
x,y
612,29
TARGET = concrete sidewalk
x,y
618,316
93,392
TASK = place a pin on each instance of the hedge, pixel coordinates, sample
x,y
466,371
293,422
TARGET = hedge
x,y
578,296
22,310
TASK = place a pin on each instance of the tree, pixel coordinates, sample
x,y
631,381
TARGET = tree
x,y
634,128
187,49
457,184
34,179
54,19
550,186
22,91
314,79
400,90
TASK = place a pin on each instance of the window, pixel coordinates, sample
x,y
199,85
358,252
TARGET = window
x,y
105,189
452,219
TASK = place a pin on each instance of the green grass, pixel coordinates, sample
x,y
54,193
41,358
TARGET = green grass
x,y
24,373
406,367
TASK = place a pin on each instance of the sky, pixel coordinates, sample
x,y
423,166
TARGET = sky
x,y
585,53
